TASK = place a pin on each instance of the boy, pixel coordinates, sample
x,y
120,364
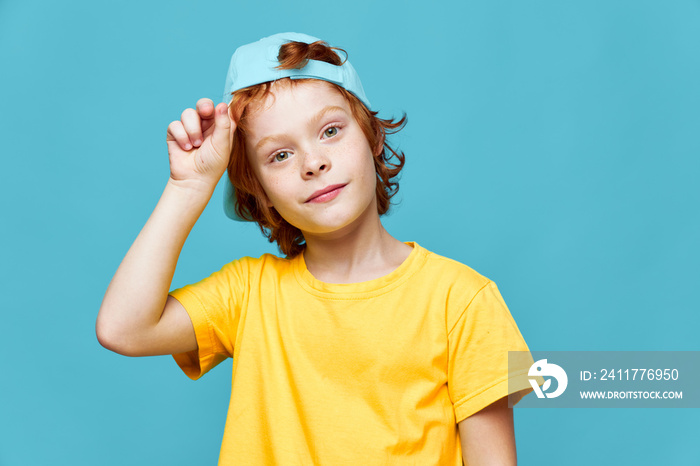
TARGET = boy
x,y
356,348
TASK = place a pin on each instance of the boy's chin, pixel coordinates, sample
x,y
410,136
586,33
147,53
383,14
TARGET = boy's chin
x,y
336,221
326,229
333,228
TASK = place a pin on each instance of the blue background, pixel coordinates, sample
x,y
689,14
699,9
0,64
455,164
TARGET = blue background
x,y
552,145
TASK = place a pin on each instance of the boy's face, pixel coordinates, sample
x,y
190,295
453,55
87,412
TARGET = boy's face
x,y
312,158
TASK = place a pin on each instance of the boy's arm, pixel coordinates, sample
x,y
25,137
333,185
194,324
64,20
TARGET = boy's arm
x,y
137,317
488,437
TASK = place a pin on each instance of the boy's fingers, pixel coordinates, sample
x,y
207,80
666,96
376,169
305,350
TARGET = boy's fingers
x,y
193,126
221,137
177,133
205,108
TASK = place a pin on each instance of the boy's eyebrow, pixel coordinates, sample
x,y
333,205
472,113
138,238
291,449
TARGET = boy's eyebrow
x,y
331,108
314,121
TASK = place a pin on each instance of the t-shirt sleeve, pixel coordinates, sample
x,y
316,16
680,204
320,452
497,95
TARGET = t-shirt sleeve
x,y
478,370
213,305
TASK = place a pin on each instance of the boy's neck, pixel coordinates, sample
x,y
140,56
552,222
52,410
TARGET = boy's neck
x,y
360,255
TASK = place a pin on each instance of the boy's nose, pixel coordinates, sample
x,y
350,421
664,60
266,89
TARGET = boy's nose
x,y
315,162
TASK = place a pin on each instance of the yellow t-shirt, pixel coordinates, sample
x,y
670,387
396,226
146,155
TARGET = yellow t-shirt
x,y
377,372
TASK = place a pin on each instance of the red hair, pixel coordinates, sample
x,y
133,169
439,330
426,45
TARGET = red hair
x,y
250,196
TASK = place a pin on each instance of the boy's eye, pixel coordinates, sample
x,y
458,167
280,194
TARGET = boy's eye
x,y
281,156
330,132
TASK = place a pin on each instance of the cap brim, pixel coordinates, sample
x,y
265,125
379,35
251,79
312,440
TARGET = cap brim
x,y
230,201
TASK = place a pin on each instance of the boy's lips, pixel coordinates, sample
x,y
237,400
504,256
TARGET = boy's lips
x,y
326,194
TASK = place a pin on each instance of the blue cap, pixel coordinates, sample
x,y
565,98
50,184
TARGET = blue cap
x,y
257,63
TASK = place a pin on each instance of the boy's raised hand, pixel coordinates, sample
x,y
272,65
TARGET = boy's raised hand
x,y
199,144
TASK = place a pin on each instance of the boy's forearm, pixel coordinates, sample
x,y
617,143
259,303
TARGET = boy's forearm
x,y
136,296
488,437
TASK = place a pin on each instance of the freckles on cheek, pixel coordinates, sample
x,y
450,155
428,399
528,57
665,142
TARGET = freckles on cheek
x,y
273,188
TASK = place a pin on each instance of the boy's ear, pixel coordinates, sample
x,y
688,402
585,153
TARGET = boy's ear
x,y
379,146
266,200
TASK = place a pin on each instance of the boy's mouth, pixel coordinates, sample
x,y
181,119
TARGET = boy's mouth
x,y
326,194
